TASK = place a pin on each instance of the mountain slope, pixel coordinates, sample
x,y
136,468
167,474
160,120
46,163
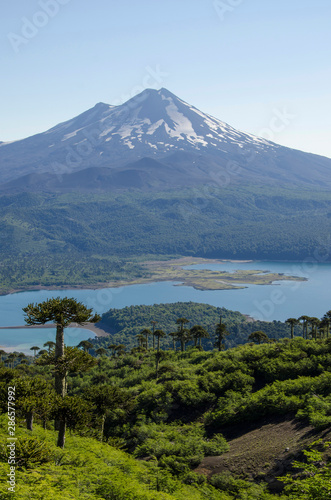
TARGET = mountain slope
x,y
159,125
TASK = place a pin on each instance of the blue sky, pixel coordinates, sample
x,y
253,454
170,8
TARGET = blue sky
x,y
247,62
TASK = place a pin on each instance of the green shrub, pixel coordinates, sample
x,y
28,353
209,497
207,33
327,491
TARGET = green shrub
x,y
29,453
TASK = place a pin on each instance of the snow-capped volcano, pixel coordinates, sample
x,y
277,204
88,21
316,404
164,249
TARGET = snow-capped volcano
x,y
158,121
156,124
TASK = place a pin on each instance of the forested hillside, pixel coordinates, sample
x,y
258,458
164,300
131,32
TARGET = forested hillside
x,y
171,411
124,325
73,238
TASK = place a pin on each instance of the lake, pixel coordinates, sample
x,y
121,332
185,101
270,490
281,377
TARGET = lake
x,y
278,301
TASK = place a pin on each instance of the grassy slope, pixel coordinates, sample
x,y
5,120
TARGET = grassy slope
x,y
89,470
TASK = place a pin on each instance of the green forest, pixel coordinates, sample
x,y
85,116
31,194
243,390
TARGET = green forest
x,y
150,422
75,239
125,325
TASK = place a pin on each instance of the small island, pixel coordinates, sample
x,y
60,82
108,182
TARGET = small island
x,y
204,279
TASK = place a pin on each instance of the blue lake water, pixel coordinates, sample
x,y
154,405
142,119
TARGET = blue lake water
x,y
278,301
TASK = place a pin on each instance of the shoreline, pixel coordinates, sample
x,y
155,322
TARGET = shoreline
x,y
179,263
99,332
112,284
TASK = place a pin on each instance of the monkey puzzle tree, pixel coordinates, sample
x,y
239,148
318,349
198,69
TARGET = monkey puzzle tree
x,y
221,333
327,319
74,360
105,398
49,344
147,332
159,334
34,348
292,322
101,351
34,396
174,336
141,341
120,349
153,323
315,324
198,333
11,357
325,325
304,320
61,312
258,337
21,356
86,345
183,334
112,348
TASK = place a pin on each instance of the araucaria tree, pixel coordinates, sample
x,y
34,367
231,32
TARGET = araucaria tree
x,y
197,333
221,333
183,334
61,312
159,334
86,345
292,322
258,337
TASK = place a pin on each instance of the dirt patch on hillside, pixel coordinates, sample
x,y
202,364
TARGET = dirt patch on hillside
x,y
264,452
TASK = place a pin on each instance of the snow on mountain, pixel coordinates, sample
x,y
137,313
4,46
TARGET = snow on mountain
x,y
155,124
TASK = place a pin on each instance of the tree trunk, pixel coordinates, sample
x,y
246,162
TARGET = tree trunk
x,y
29,421
61,434
157,356
157,364
60,382
103,418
